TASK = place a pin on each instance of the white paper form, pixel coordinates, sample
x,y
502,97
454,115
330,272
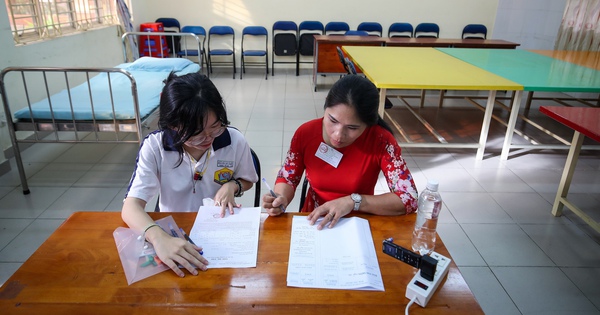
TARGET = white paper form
x,y
339,258
228,242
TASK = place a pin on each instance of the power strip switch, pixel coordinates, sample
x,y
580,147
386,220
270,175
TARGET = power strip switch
x,y
422,288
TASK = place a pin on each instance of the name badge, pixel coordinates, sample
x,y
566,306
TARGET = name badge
x,y
329,155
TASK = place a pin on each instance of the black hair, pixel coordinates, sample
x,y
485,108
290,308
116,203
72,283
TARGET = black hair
x,y
185,102
359,93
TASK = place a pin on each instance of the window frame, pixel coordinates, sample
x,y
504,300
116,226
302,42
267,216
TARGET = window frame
x,y
38,20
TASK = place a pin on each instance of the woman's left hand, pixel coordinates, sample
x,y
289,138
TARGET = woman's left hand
x,y
225,199
332,210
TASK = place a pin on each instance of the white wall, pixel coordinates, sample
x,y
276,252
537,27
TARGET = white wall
x,y
532,23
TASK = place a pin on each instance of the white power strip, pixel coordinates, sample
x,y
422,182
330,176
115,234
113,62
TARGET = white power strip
x,y
423,289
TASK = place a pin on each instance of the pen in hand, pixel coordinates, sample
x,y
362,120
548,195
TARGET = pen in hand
x,y
272,193
189,240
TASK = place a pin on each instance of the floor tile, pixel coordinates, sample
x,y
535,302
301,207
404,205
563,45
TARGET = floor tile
x,y
546,290
586,279
474,208
490,294
505,245
565,244
459,245
80,199
10,228
499,180
527,208
28,241
17,205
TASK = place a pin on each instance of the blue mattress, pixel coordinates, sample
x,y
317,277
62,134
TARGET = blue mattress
x,y
149,74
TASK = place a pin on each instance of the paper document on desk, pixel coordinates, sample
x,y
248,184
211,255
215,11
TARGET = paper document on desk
x,y
339,258
229,242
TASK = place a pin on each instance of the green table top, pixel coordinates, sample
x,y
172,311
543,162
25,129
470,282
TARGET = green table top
x,y
534,71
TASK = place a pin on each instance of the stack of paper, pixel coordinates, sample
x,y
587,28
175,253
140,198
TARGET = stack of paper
x,y
229,242
339,258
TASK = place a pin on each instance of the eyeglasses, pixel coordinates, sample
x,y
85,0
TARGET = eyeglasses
x,y
201,137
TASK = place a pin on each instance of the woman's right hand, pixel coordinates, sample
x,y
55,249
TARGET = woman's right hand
x,y
174,251
274,205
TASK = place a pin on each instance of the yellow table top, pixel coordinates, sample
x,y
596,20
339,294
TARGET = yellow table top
x,y
423,68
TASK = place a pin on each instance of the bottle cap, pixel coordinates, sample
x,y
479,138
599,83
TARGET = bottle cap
x,y
432,184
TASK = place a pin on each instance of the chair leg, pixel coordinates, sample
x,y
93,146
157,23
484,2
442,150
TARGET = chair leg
x,y
267,66
234,67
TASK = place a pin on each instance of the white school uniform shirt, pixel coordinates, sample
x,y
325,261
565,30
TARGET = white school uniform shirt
x,y
157,171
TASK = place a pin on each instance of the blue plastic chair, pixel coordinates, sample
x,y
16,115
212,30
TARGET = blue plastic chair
x,y
400,30
255,31
356,33
474,31
373,28
185,51
284,41
306,43
221,31
336,28
430,30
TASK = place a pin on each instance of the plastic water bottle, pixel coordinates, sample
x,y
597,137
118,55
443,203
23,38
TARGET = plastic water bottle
x,y
430,204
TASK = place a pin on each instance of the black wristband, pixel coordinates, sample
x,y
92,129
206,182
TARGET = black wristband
x,y
240,191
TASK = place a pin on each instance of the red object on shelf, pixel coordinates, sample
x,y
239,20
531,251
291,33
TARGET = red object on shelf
x,y
153,46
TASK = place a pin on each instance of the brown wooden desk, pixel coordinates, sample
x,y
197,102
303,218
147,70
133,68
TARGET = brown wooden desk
x,y
78,271
326,59
450,43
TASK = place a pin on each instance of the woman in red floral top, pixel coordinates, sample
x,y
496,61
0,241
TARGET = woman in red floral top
x,y
342,154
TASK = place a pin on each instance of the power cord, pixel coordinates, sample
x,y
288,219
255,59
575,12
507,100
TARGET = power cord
x,y
409,304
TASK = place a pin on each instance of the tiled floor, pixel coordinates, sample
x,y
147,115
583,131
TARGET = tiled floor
x,y
516,257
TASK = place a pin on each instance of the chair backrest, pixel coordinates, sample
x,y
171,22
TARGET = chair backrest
x,y
336,28
187,45
221,31
351,66
342,58
169,22
373,28
306,30
356,33
427,30
400,29
303,192
285,38
198,30
474,31
256,161
255,31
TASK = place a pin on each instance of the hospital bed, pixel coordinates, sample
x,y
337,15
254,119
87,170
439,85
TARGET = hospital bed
x,y
86,105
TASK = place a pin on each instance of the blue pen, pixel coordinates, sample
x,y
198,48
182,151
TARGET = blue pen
x,y
272,193
173,231
189,240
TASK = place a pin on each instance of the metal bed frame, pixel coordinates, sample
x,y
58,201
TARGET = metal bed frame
x,y
56,130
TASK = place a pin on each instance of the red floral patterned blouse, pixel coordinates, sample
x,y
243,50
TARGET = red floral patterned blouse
x,y
374,151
